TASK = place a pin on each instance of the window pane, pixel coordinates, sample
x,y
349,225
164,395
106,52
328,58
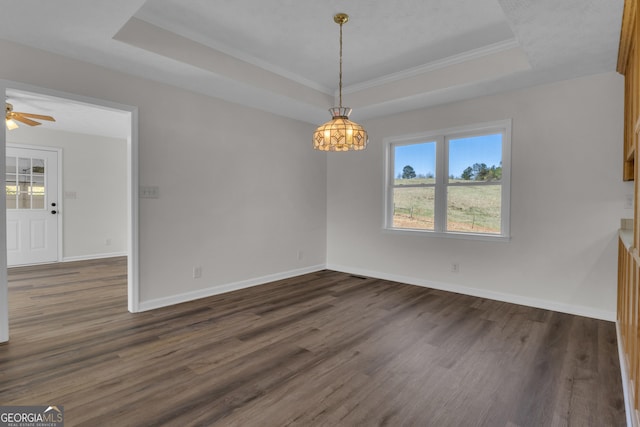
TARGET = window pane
x,y
414,164
24,200
38,166
11,189
24,165
37,192
413,207
23,183
11,165
37,185
474,208
477,158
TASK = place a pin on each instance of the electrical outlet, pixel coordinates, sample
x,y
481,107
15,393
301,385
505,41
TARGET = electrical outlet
x,y
300,255
107,242
455,267
197,272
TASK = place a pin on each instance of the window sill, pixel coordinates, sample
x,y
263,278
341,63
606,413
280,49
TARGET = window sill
x,y
448,235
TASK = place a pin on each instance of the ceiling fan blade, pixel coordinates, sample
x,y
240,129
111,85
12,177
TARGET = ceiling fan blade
x,y
24,120
36,116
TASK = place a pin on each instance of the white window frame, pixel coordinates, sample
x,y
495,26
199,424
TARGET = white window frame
x,y
441,138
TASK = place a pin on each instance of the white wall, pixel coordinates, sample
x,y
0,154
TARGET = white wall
x,y
241,191
94,168
567,198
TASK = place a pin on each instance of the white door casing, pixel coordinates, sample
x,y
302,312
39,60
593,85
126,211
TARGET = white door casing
x,y
133,279
32,201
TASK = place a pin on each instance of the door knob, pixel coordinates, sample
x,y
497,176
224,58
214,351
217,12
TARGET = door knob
x,y
54,212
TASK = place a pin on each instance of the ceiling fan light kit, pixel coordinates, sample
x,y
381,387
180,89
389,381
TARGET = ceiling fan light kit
x,y
27,118
340,133
11,124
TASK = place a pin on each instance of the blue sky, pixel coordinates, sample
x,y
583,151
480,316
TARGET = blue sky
x,y
463,152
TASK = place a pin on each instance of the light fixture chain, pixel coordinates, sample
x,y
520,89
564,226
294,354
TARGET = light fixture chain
x,y
340,88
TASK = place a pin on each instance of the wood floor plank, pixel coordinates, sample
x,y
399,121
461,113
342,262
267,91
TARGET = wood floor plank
x,y
323,349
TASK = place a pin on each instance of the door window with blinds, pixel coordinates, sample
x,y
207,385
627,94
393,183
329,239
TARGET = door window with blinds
x,y
25,183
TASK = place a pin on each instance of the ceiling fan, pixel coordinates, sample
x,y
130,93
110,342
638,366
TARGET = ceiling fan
x,y
12,116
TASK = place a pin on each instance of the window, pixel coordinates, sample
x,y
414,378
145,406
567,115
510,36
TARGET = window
x,y
453,182
25,183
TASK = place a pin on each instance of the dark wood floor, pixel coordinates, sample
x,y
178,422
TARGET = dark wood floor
x,y
324,349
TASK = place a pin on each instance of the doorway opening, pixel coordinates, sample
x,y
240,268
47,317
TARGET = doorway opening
x,y
75,115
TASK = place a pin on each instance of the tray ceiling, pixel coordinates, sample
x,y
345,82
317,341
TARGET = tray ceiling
x,y
282,56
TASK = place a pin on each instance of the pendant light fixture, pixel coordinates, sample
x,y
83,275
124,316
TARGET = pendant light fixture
x,y
340,133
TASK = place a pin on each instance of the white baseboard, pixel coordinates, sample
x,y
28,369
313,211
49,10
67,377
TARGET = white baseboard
x,y
93,256
220,289
483,293
624,372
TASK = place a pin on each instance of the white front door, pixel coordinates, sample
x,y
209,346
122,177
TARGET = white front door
x,y
32,205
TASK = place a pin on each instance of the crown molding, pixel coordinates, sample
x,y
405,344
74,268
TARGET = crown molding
x,y
432,66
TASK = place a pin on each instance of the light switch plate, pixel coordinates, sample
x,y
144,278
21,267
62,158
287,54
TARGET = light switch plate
x,y
628,201
149,192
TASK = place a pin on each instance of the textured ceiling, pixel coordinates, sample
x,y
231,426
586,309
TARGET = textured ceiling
x,y
299,38
282,55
